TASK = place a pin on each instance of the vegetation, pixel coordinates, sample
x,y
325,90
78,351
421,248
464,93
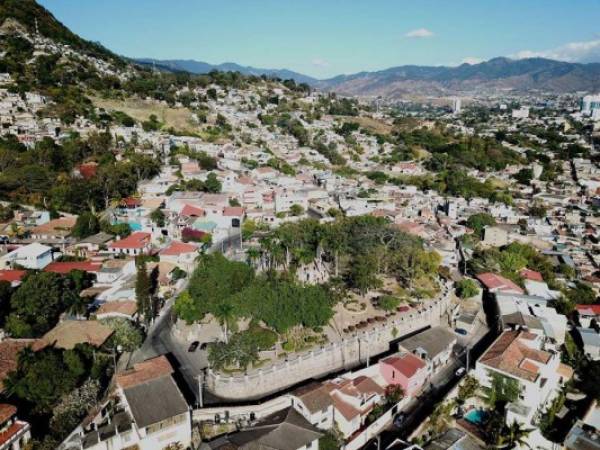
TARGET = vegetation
x,y
467,288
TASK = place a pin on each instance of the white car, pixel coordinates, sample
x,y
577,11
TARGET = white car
x,y
460,371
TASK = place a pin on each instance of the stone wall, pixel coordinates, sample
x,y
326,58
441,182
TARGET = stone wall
x,y
332,357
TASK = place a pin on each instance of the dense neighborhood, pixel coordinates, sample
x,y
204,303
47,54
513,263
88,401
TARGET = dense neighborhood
x,y
243,262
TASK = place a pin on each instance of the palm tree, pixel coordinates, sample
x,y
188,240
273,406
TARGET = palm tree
x,y
78,306
515,436
253,255
224,313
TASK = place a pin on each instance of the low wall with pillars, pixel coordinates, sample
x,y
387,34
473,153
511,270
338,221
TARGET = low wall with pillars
x,y
333,357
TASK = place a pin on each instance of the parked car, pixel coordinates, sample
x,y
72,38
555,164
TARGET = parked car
x,y
460,372
399,420
461,331
193,346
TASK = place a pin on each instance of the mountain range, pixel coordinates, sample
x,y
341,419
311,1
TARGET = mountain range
x,y
496,75
199,67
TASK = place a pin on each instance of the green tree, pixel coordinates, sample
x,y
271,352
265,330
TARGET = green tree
x,y
158,217
467,288
86,225
296,210
143,290
467,389
125,334
479,221
212,183
388,302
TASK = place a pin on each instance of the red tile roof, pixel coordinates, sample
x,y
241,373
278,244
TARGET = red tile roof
x,y
494,282
7,434
589,309
407,364
12,275
6,412
135,240
145,371
131,202
177,248
233,211
67,266
9,352
508,354
88,170
532,275
192,211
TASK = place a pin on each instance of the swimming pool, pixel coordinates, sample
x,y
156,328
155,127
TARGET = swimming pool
x,y
135,226
475,416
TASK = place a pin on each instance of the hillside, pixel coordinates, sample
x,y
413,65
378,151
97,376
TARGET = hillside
x,y
498,74
200,67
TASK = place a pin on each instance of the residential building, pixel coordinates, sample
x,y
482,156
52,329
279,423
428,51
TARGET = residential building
x,y
34,256
434,346
405,370
14,433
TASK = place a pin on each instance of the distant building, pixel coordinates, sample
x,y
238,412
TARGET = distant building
x,y
589,104
34,256
521,113
456,105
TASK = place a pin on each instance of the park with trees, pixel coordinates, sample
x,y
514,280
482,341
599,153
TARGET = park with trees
x,y
261,302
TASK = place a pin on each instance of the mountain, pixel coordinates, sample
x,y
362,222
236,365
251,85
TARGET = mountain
x,y
198,67
26,17
495,75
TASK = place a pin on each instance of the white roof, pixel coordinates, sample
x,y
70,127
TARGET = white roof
x,y
35,249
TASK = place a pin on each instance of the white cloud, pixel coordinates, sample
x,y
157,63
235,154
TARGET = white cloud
x,y
320,62
586,51
471,60
419,33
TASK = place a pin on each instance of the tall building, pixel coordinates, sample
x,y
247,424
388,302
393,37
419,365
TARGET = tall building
x,y
589,104
456,105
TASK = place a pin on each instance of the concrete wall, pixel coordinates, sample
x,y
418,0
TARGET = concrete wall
x,y
332,357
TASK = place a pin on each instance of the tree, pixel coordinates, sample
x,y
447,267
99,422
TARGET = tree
x,y
212,183
466,288
388,302
158,217
467,389
125,334
37,304
86,225
524,176
515,435
363,273
393,394
478,222
224,313
296,210
143,290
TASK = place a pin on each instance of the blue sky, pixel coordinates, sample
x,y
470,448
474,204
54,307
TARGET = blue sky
x,y
323,38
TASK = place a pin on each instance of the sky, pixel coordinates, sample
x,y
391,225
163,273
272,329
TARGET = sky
x,y
324,38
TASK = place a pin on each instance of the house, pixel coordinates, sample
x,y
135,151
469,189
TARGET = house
x,y
537,376
344,402
585,433
33,256
91,244
14,433
135,244
587,313
64,267
434,346
150,413
180,254
405,370
69,333
591,342
123,309
9,355
55,230
497,283
282,430
14,277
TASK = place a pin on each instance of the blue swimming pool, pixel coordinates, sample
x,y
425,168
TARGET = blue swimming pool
x,y
475,416
135,226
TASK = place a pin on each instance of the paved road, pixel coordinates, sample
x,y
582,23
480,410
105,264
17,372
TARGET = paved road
x,y
441,383
159,340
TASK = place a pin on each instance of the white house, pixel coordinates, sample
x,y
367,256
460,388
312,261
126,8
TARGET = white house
x,y
33,256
